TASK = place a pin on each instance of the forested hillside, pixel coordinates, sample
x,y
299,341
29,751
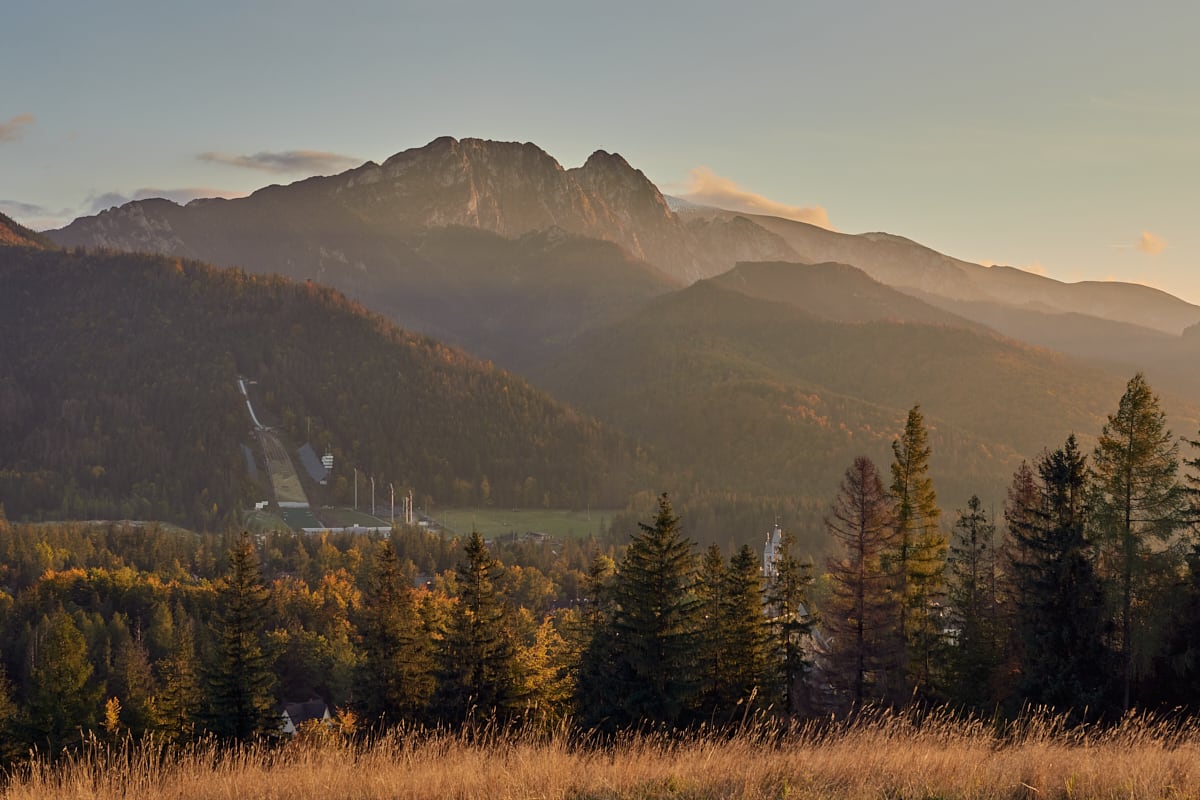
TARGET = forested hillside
x,y
118,396
760,398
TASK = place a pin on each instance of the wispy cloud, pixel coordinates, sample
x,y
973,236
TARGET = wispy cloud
x,y
1151,244
34,216
707,188
15,128
310,162
100,202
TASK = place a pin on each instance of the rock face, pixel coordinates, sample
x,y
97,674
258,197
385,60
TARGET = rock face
x,y
319,228
506,188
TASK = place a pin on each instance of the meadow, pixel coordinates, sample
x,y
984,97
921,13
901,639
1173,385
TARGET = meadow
x,y
884,756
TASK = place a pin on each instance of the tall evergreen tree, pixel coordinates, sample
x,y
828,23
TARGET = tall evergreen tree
x,y
1060,600
61,697
1192,485
734,634
479,658
746,632
656,622
919,553
971,590
179,701
1139,505
396,676
712,646
790,623
861,612
133,683
240,679
595,705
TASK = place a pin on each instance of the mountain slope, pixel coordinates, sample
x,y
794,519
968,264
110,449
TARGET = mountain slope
x,y
904,264
13,234
836,292
118,397
758,397
368,216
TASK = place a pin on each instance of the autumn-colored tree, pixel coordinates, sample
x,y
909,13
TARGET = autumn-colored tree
x,y
861,613
1139,504
396,676
918,553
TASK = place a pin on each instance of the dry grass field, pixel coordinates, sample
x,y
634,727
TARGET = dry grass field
x,y
884,758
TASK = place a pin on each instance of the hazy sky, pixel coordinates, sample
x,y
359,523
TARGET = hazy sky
x,y
1058,136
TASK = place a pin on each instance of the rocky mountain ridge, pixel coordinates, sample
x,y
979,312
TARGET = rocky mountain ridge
x,y
316,229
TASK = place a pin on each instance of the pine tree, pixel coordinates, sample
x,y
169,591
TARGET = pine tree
x,y
1139,505
712,645
746,633
595,703
240,679
1192,485
179,701
656,622
1060,600
971,582
396,676
790,625
918,552
733,640
479,660
61,698
861,612
135,686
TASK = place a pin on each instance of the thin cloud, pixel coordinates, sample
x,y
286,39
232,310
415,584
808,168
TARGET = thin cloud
x,y
1150,244
98,203
15,209
707,188
36,217
15,128
310,162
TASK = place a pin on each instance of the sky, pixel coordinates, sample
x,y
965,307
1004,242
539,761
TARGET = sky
x,y
1061,137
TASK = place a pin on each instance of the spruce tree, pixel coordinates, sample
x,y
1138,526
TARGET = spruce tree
x,y
61,697
918,553
479,658
1139,505
133,683
240,680
1192,485
712,645
656,624
971,582
396,677
1060,600
861,612
746,633
596,706
179,701
790,622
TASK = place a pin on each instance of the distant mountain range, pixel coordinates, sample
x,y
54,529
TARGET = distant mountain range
x,y
749,354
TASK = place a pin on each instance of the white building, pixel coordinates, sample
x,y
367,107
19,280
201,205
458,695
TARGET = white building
x,y
772,552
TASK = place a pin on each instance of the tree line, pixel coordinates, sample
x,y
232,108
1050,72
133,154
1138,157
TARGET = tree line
x,y
1084,597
